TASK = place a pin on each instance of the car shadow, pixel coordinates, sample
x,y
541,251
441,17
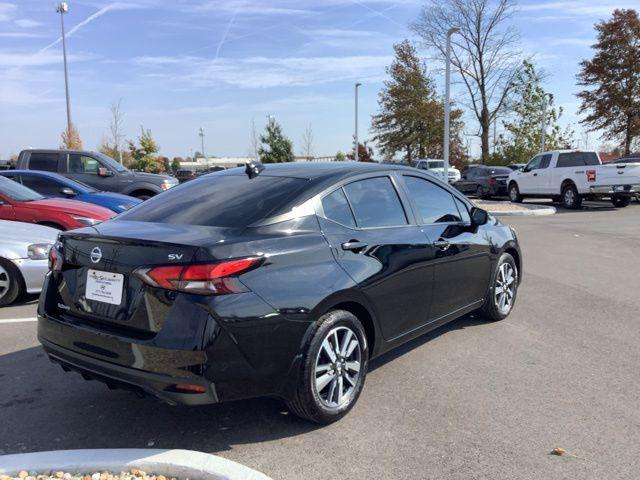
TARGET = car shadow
x,y
26,299
43,408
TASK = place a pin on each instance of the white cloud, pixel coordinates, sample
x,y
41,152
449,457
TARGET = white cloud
x,y
6,11
578,7
27,23
570,42
20,35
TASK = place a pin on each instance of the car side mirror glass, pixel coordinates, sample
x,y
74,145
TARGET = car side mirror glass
x,y
479,216
68,191
104,172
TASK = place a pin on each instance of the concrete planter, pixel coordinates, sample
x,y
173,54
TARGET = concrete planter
x,y
181,464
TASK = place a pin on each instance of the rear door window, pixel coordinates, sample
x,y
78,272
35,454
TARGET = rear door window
x,y
44,161
220,200
434,203
42,185
336,208
375,203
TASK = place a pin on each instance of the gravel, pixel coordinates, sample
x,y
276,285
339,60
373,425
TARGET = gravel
x,y
133,474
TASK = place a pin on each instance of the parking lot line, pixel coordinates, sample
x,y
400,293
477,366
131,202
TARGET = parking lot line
x,y
18,320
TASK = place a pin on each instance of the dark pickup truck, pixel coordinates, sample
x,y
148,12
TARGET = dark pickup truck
x,y
97,170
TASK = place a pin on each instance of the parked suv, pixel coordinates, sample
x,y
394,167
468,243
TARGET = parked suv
x,y
97,170
283,281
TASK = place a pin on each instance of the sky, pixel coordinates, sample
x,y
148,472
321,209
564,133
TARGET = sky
x,y
178,65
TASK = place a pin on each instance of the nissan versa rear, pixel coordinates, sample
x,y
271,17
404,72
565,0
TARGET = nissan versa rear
x,y
282,280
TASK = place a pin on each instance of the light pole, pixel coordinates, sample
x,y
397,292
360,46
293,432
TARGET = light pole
x,y
201,135
355,155
447,107
63,8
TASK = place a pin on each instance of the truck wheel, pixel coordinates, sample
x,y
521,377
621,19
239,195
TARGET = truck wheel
x,y
11,286
334,369
570,197
620,202
514,193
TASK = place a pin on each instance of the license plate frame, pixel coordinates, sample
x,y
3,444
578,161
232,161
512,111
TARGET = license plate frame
x,y
104,287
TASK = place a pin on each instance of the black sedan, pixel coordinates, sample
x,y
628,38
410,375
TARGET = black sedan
x,y
282,280
484,181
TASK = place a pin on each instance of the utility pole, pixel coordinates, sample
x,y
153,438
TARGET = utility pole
x,y
63,8
357,147
201,134
447,106
543,123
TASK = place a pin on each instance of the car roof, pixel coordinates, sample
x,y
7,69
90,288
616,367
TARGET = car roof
x,y
42,173
317,170
59,150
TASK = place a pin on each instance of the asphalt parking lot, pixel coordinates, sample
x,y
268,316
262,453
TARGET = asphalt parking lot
x,y
470,400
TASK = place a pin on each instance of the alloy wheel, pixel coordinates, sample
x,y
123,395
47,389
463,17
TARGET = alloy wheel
x,y
337,367
505,288
569,197
5,282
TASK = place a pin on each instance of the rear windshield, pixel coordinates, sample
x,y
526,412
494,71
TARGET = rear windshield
x,y
219,201
577,159
500,171
17,192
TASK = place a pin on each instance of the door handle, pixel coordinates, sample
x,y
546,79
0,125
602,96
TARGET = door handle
x,y
535,174
354,245
441,244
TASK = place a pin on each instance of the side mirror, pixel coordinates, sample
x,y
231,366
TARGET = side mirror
x,y
69,192
104,172
479,216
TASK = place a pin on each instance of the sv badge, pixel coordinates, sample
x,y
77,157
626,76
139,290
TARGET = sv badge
x,y
176,256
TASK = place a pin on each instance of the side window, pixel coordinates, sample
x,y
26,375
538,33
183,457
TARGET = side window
x,y
434,203
534,163
83,164
472,173
464,211
375,203
14,177
42,185
337,208
44,161
546,159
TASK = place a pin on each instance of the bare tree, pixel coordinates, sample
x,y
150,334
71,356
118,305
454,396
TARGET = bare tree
x,y
484,51
116,129
307,142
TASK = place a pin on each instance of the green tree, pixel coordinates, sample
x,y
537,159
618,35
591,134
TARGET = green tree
x,y
411,116
175,163
143,154
612,77
340,156
523,134
275,147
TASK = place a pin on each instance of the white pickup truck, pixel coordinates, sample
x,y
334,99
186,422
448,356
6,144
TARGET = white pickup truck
x,y
569,176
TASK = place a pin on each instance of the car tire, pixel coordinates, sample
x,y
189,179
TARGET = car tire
x,y
514,193
620,202
316,396
570,197
480,192
503,288
11,283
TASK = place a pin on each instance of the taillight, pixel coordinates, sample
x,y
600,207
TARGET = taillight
x,y
591,175
492,181
55,259
205,279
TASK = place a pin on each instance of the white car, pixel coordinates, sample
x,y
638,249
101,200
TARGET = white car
x,y
569,176
437,167
24,252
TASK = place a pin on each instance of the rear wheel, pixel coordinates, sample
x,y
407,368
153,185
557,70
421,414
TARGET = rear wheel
x,y
504,288
570,197
620,202
10,282
334,369
480,192
514,193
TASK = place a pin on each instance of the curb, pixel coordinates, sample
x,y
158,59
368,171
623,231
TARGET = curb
x,y
181,464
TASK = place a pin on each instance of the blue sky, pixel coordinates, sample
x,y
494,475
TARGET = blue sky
x,y
181,64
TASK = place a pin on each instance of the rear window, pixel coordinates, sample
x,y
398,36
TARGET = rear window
x,y
500,171
44,161
220,201
577,159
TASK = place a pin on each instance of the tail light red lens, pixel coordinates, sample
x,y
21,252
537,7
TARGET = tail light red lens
x,y
492,181
205,279
591,175
55,259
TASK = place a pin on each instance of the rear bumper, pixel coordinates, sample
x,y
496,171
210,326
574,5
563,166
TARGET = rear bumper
x,y
632,189
498,189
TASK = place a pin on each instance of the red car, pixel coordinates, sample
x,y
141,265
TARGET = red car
x,y
22,204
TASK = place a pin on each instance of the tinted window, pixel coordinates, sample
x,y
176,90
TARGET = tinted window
x,y
577,159
500,171
464,211
375,203
337,208
17,192
546,159
44,161
44,186
434,203
220,200
83,164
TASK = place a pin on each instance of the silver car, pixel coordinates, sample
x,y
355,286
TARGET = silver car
x,y
24,252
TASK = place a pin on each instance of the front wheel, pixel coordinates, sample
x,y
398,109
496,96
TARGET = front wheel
x,y
620,202
514,193
503,290
334,369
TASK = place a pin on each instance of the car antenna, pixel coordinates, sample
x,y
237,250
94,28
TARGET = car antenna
x,y
253,168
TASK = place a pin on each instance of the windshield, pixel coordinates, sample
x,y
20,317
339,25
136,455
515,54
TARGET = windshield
x,y
88,188
436,163
18,192
111,162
